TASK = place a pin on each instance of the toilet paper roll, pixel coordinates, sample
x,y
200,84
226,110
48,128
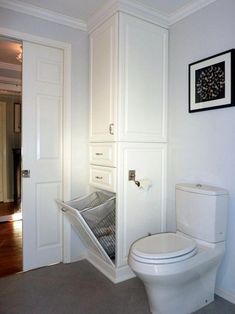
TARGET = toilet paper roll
x,y
145,184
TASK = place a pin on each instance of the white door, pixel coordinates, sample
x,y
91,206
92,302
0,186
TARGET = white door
x,y
42,154
103,75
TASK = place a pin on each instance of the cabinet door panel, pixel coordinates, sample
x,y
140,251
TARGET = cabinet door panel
x,y
142,88
140,211
103,64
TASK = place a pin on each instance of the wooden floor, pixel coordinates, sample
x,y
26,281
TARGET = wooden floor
x,y
10,247
8,208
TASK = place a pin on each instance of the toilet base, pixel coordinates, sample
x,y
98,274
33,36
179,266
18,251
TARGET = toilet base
x,y
179,294
183,301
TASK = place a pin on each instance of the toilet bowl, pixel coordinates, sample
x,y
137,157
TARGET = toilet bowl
x,y
178,269
180,284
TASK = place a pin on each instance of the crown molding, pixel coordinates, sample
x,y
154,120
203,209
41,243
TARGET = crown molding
x,y
10,66
130,7
187,10
135,8
44,14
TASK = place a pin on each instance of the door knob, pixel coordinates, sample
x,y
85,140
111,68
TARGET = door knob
x,y
25,173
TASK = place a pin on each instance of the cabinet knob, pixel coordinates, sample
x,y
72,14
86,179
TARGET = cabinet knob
x,y
111,129
99,178
99,154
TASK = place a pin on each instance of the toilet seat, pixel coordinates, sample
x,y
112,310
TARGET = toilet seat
x,y
163,248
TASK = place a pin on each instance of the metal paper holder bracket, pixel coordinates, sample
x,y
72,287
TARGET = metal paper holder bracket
x,y
132,177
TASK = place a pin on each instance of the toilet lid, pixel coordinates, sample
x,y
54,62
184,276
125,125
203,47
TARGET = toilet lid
x,y
163,246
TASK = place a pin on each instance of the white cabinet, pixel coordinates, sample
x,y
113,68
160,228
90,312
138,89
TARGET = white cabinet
x,y
128,95
128,79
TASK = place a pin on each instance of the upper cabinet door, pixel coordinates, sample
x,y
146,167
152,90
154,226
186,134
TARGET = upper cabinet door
x,y
103,75
143,54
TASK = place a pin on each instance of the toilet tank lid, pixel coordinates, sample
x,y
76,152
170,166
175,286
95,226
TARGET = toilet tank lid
x,y
201,189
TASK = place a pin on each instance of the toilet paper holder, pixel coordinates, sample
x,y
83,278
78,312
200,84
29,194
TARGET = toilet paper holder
x,y
132,177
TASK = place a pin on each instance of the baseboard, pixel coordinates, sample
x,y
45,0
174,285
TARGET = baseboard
x,y
225,294
114,274
13,217
81,257
9,200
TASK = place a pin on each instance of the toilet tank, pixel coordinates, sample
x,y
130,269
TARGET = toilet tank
x,y
201,211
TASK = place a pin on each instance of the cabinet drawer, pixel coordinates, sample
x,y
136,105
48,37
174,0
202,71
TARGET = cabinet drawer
x,y
103,154
103,178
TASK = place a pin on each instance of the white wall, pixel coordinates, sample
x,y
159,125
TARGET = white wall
x,y
79,84
202,145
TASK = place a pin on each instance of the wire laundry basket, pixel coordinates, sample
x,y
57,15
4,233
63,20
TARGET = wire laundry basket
x,y
98,211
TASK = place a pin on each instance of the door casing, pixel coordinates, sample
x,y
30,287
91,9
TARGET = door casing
x,y
66,189
3,152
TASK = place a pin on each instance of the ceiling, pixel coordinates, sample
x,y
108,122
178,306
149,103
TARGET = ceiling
x,y
10,67
81,9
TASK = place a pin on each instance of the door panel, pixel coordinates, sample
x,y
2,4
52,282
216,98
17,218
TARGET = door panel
x,y
103,72
46,193
42,154
143,82
48,118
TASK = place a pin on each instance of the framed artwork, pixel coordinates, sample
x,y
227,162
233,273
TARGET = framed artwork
x,y
211,82
17,118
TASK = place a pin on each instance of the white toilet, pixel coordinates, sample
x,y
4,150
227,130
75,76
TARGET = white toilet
x,y
179,269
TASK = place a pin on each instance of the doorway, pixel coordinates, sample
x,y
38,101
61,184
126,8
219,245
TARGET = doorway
x,y
46,235
10,156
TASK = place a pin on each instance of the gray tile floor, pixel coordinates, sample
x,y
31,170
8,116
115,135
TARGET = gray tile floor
x,y
79,288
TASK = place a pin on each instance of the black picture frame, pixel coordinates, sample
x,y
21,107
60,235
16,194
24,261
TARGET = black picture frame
x,y
211,82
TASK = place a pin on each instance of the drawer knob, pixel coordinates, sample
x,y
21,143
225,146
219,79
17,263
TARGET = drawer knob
x,y
99,178
111,126
99,154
